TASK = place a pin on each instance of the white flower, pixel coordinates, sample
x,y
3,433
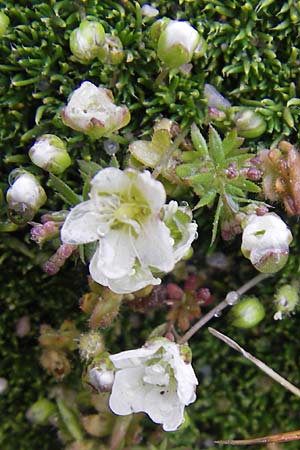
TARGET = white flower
x,y
123,214
156,380
25,193
177,43
266,242
91,110
183,231
49,152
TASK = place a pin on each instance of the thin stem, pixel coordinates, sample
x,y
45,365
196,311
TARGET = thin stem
x,y
161,76
260,364
231,298
167,156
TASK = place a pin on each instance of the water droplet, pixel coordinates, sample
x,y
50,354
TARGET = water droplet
x,y
110,147
232,298
218,314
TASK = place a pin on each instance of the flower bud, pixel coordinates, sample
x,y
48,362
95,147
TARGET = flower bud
x,y
250,124
24,197
104,312
177,43
91,345
113,52
101,377
41,411
98,425
86,41
214,98
247,313
49,153
4,22
92,111
266,242
286,300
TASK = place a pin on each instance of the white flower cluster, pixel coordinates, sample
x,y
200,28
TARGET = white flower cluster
x,y
127,215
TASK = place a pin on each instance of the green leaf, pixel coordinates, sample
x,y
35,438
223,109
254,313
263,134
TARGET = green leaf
x,y
216,147
202,178
216,220
186,170
198,141
89,168
232,142
207,199
293,102
246,185
67,194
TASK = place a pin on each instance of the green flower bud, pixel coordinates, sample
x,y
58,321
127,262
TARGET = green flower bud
x,y
24,197
250,124
86,41
177,43
286,300
41,411
4,22
113,52
50,153
247,313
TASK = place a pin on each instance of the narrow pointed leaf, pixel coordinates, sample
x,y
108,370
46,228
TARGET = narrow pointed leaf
x,y
207,199
232,142
216,147
202,178
68,195
198,141
216,221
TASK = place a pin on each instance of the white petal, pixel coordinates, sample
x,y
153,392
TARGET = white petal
x,y
152,190
81,224
154,245
133,358
188,236
137,279
109,181
163,406
128,391
114,257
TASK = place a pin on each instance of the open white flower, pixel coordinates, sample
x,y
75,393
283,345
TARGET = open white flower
x,y
155,379
91,110
123,214
266,242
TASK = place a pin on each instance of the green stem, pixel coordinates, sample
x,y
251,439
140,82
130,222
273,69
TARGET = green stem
x,y
167,156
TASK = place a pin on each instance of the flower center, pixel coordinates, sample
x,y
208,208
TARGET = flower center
x,y
156,374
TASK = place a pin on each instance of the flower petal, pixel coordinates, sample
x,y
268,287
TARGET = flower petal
x,y
138,279
128,391
152,190
81,224
189,233
133,358
154,246
163,406
109,181
114,257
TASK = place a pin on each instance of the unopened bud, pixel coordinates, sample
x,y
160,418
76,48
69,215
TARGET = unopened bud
x,y
104,312
98,425
286,300
56,363
91,110
86,41
113,50
50,153
177,43
250,124
41,411
4,22
24,197
40,233
247,313
102,376
214,98
91,345
266,242
55,263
